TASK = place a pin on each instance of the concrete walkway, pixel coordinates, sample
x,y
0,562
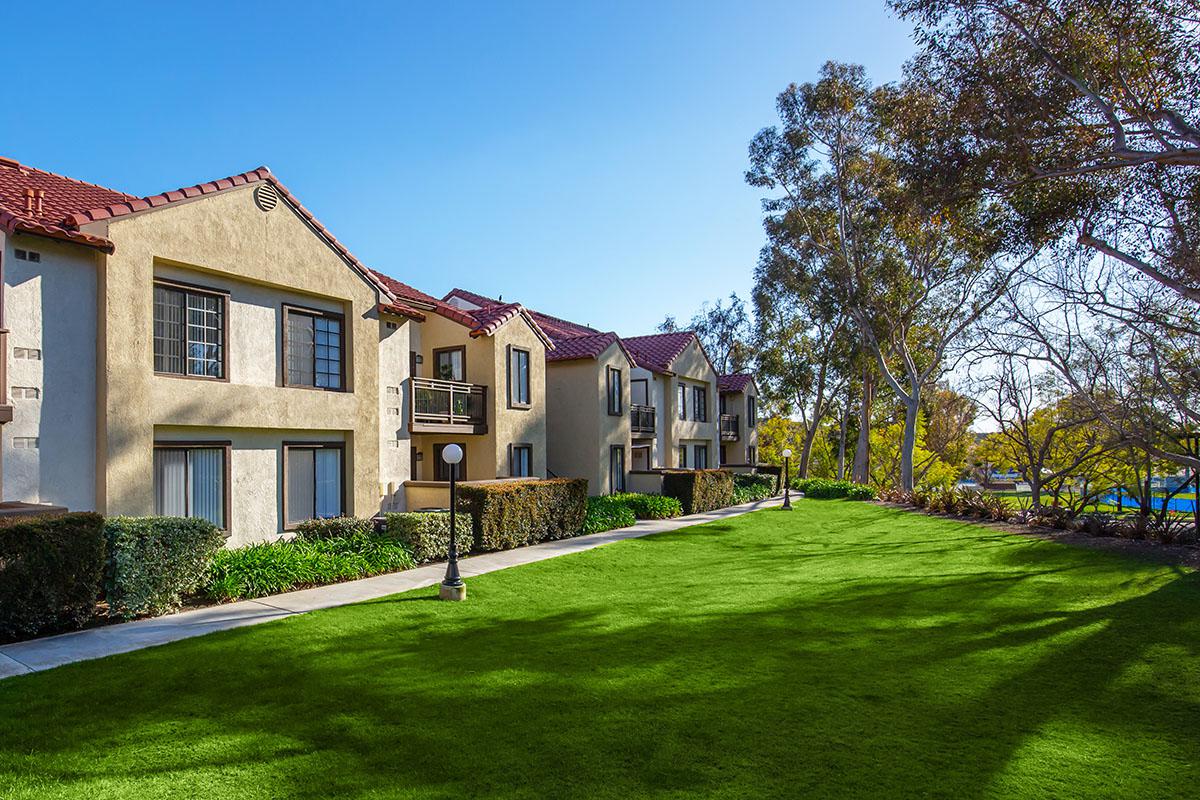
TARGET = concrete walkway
x,y
53,651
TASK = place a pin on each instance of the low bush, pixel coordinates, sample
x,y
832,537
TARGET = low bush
x,y
334,528
1097,524
272,567
516,513
860,491
699,490
651,506
826,489
51,569
748,488
426,535
153,562
606,513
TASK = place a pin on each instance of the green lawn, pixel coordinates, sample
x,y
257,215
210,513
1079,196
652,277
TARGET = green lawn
x,y
844,650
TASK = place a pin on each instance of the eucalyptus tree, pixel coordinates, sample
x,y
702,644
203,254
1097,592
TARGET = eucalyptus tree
x,y
726,331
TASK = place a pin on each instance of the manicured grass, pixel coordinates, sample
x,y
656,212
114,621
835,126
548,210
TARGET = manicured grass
x,y
841,650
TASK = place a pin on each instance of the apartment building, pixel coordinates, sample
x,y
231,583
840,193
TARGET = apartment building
x,y
739,420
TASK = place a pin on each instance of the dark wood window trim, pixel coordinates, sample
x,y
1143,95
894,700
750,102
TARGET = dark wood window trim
x,y
286,310
700,404
183,286
616,480
512,451
287,446
195,444
512,403
681,399
614,376
438,351
751,411
645,393
439,464
682,456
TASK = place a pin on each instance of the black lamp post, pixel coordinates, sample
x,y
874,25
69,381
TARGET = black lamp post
x,y
787,479
452,587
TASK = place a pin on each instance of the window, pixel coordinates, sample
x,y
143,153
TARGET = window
x,y
751,411
518,378
27,392
700,404
639,392
752,454
189,331
723,455
27,255
313,347
682,401
700,456
614,392
25,443
449,364
683,456
520,460
312,481
191,480
27,353
441,470
616,468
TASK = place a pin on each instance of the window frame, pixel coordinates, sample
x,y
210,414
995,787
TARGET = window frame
x,y
512,456
751,411
620,398
185,287
287,309
682,456
645,393
301,445
437,351
439,464
224,445
681,395
752,454
512,401
699,404
697,449
616,481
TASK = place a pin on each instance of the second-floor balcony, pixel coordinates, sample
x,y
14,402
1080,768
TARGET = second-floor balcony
x,y
729,428
641,420
447,407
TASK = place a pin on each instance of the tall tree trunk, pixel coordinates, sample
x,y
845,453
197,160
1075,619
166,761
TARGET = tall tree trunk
x,y
810,434
861,473
912,405
845,413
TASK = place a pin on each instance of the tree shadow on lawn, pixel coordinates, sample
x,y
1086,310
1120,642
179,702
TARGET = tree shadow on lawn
x,y
556,680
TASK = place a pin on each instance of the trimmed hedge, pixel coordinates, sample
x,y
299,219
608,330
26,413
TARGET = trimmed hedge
x,y
650,506
427,534
51,569
825,489
154,561
273,567
699,490
606,513
334,527
512,514
749,488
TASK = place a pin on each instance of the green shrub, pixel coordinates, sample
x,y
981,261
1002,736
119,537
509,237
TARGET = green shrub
x,y
607,513
515,513
334,528
427,534
51,570
860,491
272,567
699,490
650,506
748,488
154,561
826,489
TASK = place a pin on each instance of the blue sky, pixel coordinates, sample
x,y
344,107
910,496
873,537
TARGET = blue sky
x,y
585,160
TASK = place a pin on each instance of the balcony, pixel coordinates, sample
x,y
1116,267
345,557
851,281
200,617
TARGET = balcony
x,y
447,407
641,420
729,428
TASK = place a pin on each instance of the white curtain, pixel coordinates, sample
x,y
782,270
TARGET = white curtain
x,y
170,483
208,483
329,483
299,485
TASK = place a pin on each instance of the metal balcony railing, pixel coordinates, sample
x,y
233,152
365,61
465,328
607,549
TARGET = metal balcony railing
x,y
729,428
641,419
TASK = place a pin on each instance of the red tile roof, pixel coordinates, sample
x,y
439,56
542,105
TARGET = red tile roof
x,y
736,382
657,351
591,346
555,327
67,204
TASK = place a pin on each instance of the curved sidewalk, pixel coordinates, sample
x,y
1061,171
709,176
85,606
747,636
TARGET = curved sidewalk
x,y
52,651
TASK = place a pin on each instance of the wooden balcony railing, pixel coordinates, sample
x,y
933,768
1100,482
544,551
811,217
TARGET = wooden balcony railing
x,y
729,428
641,420
447,407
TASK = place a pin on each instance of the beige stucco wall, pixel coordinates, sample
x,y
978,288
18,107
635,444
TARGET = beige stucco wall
x,y
397,338
265,255
50,305
735,403
579,429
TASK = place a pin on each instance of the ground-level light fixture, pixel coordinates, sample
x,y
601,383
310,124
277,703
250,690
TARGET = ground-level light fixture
x,y
787,479
452,587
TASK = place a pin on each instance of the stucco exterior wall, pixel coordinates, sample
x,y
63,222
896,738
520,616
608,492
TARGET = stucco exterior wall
x,y
735,403
50,305
692,368
396,340
579,429
268,255
658,398
518,425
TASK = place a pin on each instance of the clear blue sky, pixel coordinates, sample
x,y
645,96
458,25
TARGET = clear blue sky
x,y
584,159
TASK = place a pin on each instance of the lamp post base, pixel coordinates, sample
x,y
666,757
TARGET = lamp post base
x,y
452,592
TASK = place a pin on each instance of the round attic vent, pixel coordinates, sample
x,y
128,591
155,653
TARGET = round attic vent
x,y
266,197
